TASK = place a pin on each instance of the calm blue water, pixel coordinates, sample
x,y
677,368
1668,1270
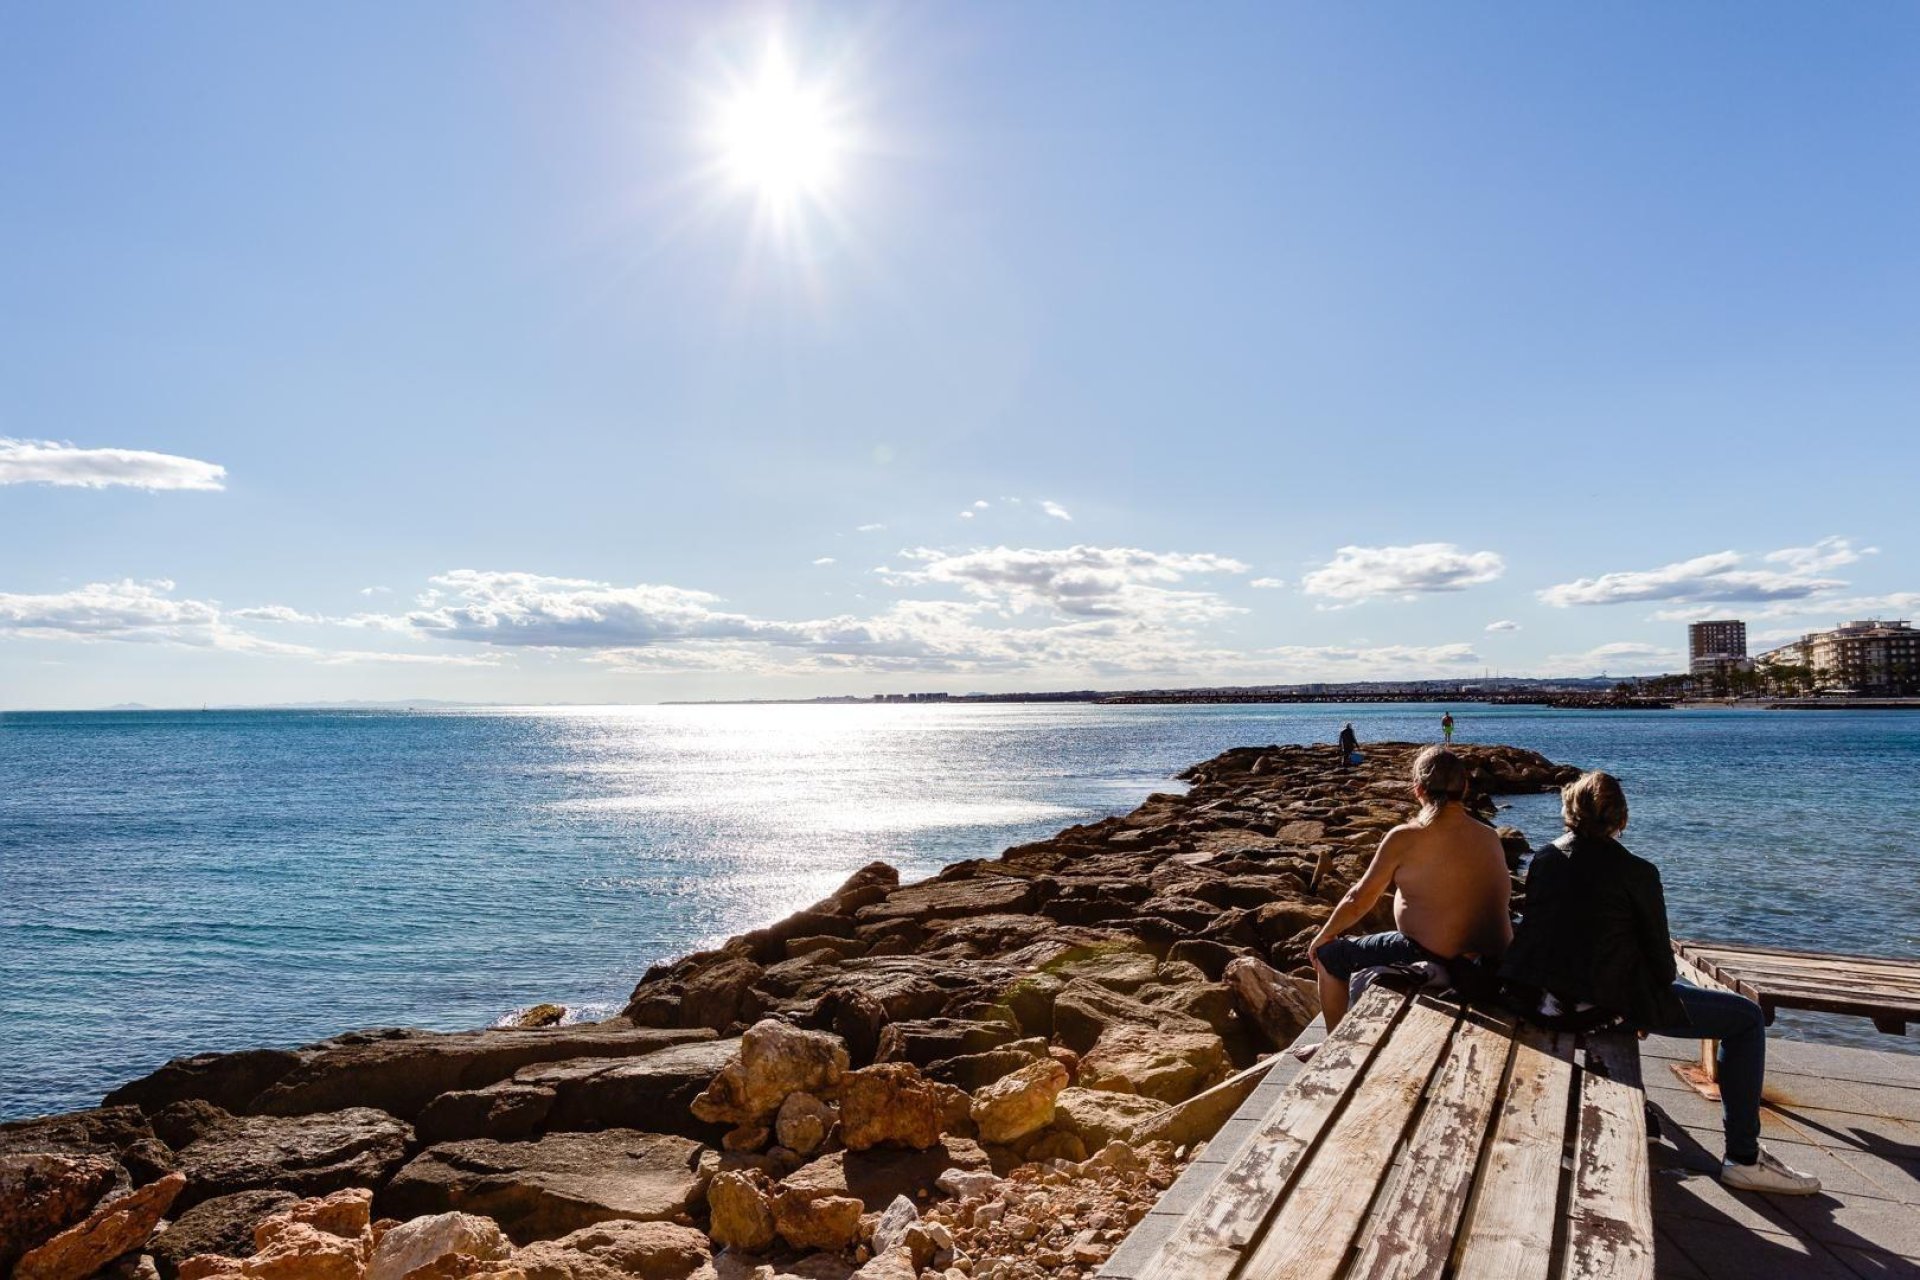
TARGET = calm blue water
x,y
172,883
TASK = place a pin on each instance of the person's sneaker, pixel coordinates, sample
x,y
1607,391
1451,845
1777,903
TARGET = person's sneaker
x,y
1768,1175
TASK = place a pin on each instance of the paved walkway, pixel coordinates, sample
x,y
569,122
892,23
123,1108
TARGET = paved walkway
x,y
1849,1116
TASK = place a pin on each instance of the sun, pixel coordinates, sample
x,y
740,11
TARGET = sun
x,y
780,137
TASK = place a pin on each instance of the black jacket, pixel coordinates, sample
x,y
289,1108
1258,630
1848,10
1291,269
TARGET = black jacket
x,y
1595,931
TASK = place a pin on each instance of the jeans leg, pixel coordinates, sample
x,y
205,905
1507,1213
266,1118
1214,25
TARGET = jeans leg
x,y
1736,1022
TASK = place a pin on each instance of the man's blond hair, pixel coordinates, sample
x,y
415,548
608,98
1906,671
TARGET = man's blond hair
x,y
1594,805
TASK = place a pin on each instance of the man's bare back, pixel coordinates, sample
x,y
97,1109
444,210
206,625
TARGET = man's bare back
x,y
1450,884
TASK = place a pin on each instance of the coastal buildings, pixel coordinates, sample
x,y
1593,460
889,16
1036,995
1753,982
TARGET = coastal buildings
x,y
1717,647
1869,656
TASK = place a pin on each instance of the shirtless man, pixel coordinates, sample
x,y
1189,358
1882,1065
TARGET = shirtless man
x,y
1450,889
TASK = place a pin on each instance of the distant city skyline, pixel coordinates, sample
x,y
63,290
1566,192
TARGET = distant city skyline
x,y
736,350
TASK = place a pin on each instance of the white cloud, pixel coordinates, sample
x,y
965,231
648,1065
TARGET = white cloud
x,y
273,613
1360,662
149,613
966,515
1505,624
1077,582
124,610
1268,584
57,463
869,528
1828,553
1055,510
1366,573
1620,657
981,504
376,591
1818,610
823,560
1719,577
1076,613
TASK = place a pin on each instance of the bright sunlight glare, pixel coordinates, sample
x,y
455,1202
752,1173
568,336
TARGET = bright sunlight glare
x,y
778,136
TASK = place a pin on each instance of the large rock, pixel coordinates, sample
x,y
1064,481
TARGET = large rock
x,y
117,1225
1085,1011
121,1134
875,1177
776,1059
652,1092
227,1080
803,1123
45,1193
324,1238
943,899
741,1213
923,1041
892,1104
401,1071
1019,1104
398,1071
307,1154
421,1242
618,1251
223,1226
1099,1116
811,1221
720,995
1171,1065
561,1183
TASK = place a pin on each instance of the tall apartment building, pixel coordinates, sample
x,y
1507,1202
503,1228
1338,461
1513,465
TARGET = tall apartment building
x,y
1712,647
1871,656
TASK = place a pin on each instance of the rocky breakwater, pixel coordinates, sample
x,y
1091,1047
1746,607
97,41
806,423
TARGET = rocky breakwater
x,y
989,1074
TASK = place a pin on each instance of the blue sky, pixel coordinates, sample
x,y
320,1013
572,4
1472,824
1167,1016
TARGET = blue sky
x,y
368,351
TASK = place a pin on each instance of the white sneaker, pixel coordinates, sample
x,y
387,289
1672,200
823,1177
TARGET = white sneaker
x,y
1768,1175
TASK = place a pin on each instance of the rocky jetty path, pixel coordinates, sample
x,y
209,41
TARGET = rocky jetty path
x,y
989,1074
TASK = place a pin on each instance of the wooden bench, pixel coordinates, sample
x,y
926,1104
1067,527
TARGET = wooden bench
x,y
1422,1140
1879,988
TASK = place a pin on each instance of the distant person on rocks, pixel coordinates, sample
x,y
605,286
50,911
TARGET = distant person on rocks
x,y
1594,949
1450,889
1446,727
1349,744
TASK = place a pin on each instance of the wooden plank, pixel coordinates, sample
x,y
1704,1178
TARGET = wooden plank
x,y
1610,1207
1209,1241
1411,1234
1874,979
1313,1231
1508,1232
1748,949
1615,1054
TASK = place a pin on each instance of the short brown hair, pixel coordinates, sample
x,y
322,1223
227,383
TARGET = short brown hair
x,y
1594,805
1441,776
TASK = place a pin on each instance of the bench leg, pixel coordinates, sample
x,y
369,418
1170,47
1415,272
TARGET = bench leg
x,y
1703,1077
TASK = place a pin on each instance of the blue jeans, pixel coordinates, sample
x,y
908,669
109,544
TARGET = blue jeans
x,y
1344,957
1737,1023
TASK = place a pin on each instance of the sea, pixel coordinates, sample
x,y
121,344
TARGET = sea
x,y
179,882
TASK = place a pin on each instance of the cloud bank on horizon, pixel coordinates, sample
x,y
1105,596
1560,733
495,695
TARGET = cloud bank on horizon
x,y
1082,611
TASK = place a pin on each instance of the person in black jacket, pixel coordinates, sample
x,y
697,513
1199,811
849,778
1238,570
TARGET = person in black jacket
x,y
1349,743
1592,948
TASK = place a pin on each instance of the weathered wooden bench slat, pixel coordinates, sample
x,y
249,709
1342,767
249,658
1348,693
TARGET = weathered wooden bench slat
x,y
1896,984
1819,957
1508,1233
1309,1238
1610,1217
1895,978
1211,1238
1411,1233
